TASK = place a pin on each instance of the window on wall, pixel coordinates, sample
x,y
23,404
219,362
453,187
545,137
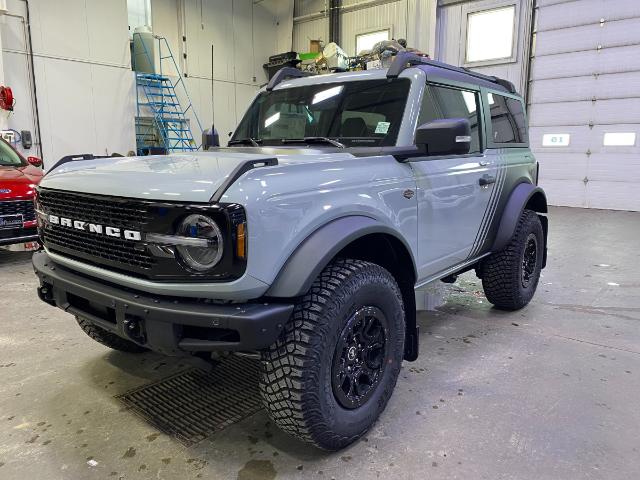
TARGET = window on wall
x,y
490,34
508,121
441,102
366,41
619,139
139,13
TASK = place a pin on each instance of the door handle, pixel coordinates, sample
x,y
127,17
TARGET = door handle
x,y
483,163
486,180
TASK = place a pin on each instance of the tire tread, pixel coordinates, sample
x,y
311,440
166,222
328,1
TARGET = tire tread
x,y
108,339
500,272
289,384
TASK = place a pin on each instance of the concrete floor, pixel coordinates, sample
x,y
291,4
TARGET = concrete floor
x,y
550,392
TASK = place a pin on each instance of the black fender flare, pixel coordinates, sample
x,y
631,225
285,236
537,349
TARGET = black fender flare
x,y
522,195
316,251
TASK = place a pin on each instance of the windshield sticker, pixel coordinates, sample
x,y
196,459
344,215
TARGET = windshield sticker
x,y
383,127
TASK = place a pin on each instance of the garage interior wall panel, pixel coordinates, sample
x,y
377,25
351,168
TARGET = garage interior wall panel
x,y
241,35
317,29
410,19
451,35
86,89
391,15
585,82
83,75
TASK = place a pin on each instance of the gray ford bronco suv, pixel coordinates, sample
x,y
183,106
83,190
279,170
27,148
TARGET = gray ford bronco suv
x,y
307,241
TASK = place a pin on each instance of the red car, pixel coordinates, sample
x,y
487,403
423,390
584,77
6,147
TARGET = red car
x,y
18,180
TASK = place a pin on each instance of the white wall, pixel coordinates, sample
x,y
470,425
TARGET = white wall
x,y
413,20
452,31
86,89
242,35
83,77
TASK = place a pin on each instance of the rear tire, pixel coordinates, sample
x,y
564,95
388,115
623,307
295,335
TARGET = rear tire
x,y
510,277
327,379
108,339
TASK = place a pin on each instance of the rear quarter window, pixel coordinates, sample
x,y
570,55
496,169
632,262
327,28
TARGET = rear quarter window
x,y
508,120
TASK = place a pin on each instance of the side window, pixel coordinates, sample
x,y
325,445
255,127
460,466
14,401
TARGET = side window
x,y
515,108
507,119
443,102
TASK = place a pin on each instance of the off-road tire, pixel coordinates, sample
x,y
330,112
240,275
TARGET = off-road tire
x,y
108,339
502,272
296,384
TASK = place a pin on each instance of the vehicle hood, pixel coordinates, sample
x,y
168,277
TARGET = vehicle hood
x,y
186,177
18,182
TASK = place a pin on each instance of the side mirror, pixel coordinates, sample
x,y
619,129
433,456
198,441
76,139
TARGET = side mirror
x,y
451,136
35,161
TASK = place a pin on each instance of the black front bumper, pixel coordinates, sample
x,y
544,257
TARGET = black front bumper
x,y
18,235
169,325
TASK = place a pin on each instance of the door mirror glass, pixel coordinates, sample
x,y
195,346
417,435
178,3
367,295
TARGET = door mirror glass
x,y
451,136
35,161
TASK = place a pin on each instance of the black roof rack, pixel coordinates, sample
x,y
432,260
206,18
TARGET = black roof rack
x,y
406,60
284,73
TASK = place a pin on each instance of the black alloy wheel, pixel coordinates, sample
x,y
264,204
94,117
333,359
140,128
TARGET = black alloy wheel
x,y
358,362
529,259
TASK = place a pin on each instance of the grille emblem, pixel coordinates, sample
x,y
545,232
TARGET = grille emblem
x,y
5,190
408,194
95,228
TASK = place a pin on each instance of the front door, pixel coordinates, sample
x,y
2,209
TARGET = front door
x,y
453,192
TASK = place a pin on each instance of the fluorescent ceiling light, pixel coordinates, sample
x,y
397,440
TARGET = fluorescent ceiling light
x,y
490,34
619,139
324,94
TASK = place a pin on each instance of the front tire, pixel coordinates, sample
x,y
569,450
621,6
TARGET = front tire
x,y
510,277
330,375
108,339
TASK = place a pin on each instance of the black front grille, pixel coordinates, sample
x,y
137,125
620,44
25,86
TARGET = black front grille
x,y
97,209
137,215
100,210
102,247
19,207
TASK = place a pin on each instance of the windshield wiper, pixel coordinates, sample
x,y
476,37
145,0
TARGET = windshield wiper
x,y
254,142
330,141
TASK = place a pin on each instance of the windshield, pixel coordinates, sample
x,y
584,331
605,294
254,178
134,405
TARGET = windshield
x,y
8,157
356,113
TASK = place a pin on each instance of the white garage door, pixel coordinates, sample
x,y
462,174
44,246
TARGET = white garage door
x,y
585,102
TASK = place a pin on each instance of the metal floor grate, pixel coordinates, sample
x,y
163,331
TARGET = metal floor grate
x,y
194,404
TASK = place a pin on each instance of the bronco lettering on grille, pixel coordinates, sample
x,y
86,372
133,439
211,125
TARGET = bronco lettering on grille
x,y
95,228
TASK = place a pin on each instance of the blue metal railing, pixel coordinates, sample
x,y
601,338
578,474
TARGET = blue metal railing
x,y
160,99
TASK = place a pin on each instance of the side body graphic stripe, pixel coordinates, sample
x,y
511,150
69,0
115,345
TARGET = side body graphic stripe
x,y
494,200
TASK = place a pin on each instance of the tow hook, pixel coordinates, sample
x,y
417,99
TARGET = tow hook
x,y
45,292
134,328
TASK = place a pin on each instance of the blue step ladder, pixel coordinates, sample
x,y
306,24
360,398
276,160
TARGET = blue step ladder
x,y
157,98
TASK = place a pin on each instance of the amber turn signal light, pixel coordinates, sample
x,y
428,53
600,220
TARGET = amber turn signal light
x,y
241,241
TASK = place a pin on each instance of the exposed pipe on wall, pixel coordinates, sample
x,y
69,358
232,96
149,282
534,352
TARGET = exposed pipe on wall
x,y
334,21
38,137
531,53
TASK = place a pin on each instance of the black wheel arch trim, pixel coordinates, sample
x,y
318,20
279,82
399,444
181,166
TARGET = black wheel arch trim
x,y
523,195
319,248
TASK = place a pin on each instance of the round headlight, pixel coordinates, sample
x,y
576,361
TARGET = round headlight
x,y
207,249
